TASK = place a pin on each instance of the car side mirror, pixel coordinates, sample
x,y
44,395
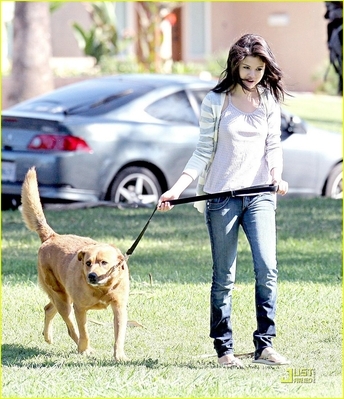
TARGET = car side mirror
x,y
296,125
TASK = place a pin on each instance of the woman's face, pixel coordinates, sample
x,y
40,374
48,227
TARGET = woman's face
x,y
251,71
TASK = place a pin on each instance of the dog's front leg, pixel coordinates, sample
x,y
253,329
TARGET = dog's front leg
x,y
84,341
120,327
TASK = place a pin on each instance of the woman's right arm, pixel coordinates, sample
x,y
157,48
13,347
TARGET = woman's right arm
x,y
174,192
199,158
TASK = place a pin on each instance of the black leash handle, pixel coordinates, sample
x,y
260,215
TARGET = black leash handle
x,y
263,188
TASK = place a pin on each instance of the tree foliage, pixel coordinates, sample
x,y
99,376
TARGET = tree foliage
x,y
102,39
150,16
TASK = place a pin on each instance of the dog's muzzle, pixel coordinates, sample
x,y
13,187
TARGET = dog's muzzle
x,y
93,279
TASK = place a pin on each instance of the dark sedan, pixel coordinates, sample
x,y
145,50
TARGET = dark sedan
x,y
126,138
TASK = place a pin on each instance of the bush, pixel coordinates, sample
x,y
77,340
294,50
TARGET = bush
x,y
110,65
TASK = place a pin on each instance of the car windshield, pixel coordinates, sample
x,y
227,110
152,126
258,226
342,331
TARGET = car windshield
x,y
91,97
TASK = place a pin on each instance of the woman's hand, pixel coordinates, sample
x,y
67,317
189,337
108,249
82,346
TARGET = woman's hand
x,y
278,181
282,187
173,193
163,203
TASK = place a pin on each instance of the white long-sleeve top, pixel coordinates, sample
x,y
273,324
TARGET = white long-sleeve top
x,y
236,149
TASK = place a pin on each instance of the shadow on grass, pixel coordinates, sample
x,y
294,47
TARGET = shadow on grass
x,y
18,355
33,357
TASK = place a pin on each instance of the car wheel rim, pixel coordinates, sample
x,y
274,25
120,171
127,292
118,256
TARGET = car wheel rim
x,y
137,189
337,187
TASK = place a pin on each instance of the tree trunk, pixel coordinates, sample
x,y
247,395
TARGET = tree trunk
x,y
31,73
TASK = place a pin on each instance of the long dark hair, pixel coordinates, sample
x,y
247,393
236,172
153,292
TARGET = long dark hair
x,y
255,46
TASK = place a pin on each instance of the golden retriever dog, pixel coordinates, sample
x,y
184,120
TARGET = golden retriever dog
x,y
76,272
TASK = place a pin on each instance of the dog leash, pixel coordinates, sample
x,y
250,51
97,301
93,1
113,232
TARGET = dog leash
x,y
260,189
132,248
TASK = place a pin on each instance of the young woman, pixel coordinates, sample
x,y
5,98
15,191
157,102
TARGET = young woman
x,y
239,146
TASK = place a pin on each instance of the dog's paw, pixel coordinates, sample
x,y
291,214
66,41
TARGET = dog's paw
x,y
86,352
47,338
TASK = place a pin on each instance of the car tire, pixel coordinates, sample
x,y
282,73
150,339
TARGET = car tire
x,y
9,202
334,185
135,185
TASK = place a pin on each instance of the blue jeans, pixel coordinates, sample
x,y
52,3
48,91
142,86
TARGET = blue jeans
x,y
256,215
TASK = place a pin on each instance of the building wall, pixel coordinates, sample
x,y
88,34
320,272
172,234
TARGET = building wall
x,y
295,31
299,42
64,43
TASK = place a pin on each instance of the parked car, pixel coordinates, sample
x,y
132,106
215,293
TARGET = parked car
x,y
126,138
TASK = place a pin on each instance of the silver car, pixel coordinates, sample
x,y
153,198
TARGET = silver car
x,y
126,138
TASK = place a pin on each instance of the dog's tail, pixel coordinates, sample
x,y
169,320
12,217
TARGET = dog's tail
x,y
32,210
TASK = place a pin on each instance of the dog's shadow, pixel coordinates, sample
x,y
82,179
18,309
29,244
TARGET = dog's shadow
x,y
19,355
22,356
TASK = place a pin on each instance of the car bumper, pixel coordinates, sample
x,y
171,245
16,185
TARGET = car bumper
x,y
61,176
52,193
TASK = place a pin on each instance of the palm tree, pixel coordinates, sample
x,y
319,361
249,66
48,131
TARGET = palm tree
x,y
31,73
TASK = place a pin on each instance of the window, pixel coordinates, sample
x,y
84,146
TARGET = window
x,y
199,96
174,108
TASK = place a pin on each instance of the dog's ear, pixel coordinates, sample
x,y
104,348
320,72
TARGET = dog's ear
x,y
81,255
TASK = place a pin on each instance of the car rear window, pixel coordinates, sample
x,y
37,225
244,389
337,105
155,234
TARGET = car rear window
x,y
89,98
174,108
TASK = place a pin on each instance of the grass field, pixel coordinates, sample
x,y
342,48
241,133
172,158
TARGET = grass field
x,y
323,111
170,282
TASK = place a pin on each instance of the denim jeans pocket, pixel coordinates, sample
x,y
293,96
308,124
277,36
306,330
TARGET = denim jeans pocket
x,y
218,203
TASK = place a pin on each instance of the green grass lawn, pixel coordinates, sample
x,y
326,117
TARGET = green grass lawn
x,y
171,354
323,111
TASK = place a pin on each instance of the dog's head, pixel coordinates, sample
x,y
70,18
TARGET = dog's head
x,y
101,263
